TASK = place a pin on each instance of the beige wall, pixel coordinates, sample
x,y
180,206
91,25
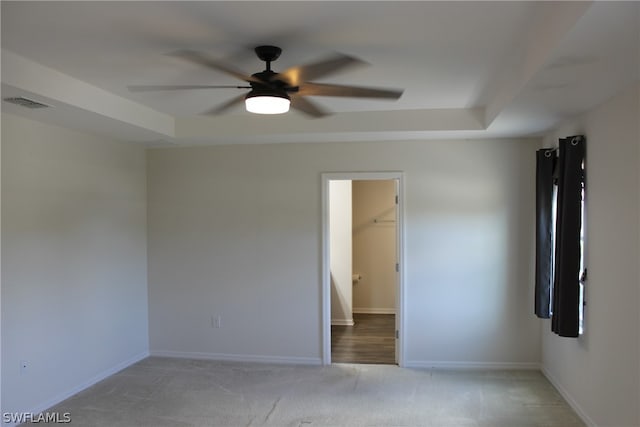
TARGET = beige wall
x,y
600,372
74,275
374,246
237,231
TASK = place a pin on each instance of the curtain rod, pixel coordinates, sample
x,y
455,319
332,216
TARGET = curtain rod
x,y
574,141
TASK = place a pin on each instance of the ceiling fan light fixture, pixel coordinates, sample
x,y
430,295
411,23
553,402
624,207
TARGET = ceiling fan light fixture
x,y
267,102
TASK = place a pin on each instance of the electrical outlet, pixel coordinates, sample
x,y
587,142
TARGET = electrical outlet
x,y
24,366
215,321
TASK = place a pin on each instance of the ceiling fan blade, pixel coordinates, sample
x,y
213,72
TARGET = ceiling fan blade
x,y
320,89
338,62
206,61
226,106
307,107
151,88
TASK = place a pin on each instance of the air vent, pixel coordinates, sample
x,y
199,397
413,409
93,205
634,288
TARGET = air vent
x,y
28,103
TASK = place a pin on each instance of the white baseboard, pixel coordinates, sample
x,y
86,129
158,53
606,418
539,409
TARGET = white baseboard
x,y
238,357
342,322
567,396
367,310
440,364
86,384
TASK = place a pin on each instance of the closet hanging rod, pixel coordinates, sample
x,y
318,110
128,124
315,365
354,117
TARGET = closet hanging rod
x,y
377,221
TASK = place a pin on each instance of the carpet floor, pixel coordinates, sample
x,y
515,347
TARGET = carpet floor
x,y
179,392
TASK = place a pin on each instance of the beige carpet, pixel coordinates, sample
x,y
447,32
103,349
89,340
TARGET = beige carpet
x,y
177,392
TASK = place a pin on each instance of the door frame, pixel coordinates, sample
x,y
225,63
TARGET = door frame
x,y
326,273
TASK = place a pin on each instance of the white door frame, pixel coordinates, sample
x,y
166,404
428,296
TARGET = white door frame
x,y
326,273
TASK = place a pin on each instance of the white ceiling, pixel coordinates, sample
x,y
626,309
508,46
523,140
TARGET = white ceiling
x,y
469,69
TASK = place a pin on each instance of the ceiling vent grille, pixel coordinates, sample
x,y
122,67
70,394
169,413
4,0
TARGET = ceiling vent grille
x,y
25,102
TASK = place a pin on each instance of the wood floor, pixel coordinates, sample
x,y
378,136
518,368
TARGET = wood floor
x,y
370,340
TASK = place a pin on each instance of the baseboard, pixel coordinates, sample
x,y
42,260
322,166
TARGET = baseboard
x,y
367,310
238,357
440,364
342,322
86,384
567,396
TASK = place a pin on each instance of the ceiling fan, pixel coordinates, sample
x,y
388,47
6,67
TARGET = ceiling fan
x,y
272,92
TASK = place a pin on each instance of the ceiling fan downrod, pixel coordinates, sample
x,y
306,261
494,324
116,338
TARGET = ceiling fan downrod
x,y
268,54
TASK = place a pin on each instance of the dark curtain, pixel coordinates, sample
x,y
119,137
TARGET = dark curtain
x,y
545,164
566,287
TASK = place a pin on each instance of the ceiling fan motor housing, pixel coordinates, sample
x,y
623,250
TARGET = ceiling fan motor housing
x,y
269,85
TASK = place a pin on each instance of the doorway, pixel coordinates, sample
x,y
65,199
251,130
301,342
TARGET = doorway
x,y
362,267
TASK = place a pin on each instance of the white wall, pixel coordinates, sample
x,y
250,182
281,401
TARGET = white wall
x,y
374,246
74,293
236,231
340,256
600,372
1,406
